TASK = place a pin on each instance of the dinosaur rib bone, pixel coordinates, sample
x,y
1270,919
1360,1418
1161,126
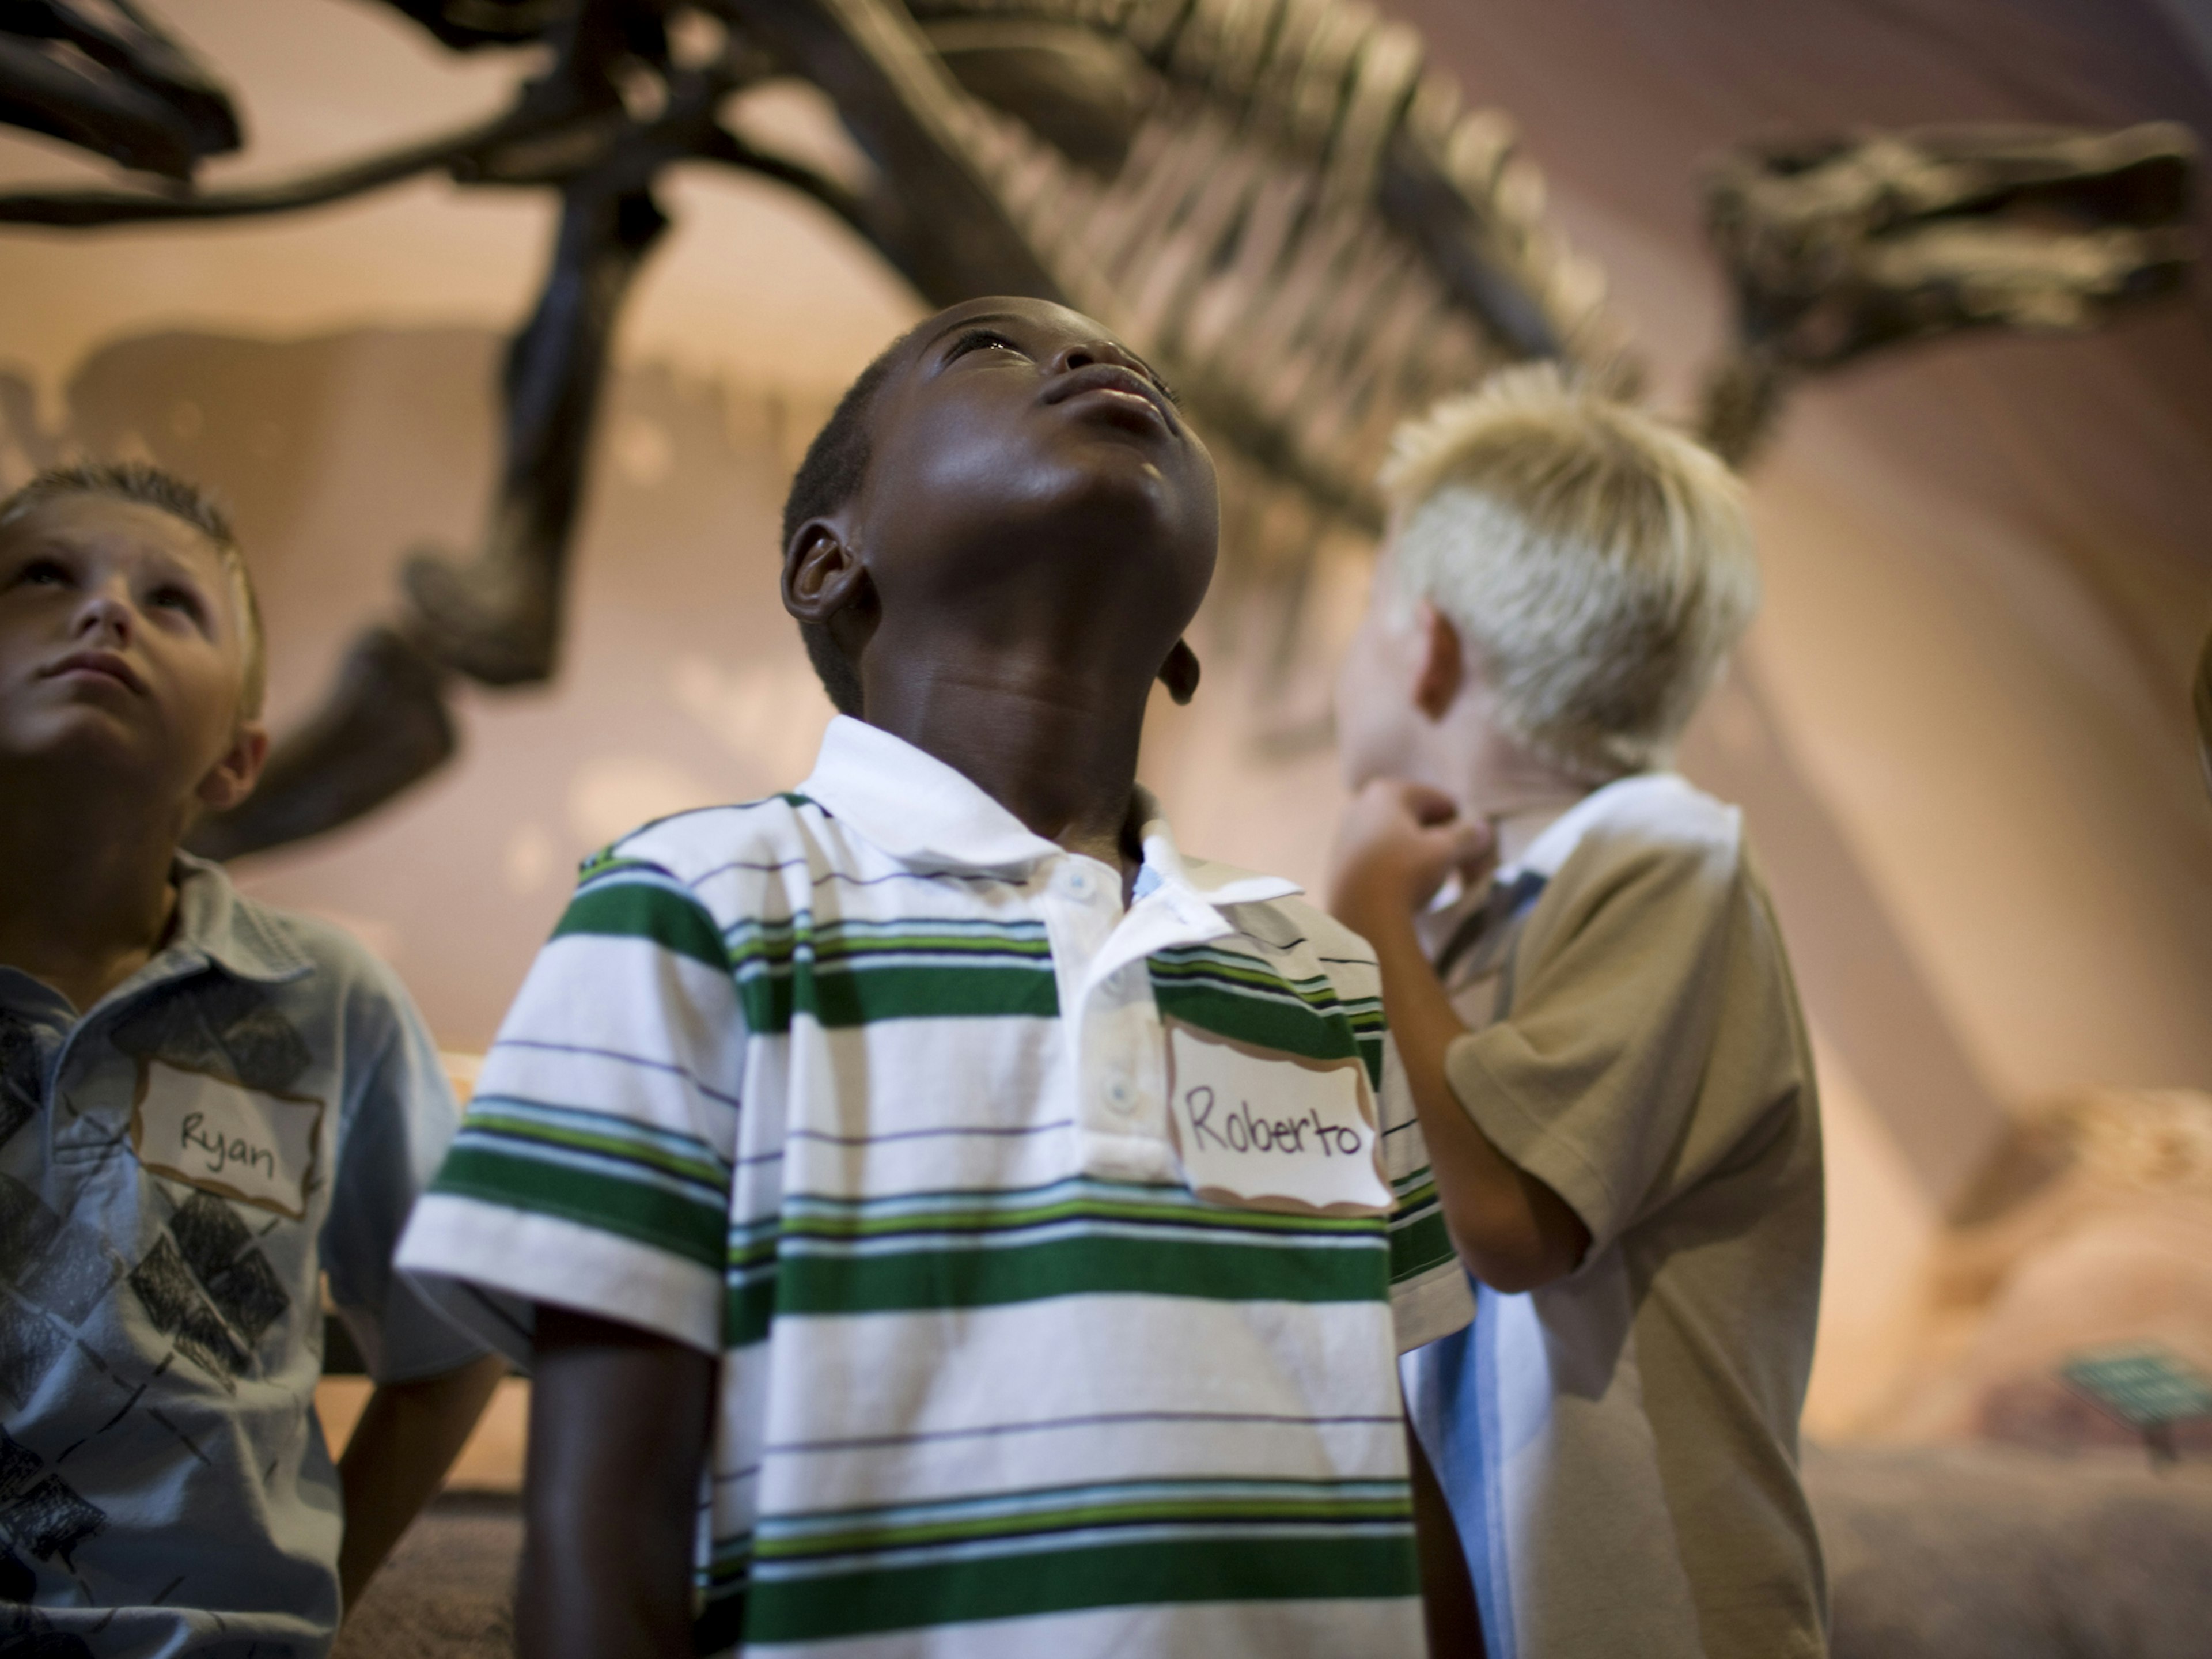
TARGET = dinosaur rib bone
x,y
1278,200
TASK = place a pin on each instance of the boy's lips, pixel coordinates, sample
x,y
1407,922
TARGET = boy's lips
x,y
107,663
1112,381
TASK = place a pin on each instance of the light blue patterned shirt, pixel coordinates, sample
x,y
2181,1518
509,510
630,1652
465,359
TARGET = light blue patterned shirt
x,y
256,1107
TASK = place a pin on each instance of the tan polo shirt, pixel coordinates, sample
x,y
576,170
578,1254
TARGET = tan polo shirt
x,y
1621,1445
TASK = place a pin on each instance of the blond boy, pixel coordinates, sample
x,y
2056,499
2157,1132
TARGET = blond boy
x,y
1594,1009
206,1106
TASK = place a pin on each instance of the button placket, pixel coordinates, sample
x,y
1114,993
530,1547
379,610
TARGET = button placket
x,y
1076,908
1122,1036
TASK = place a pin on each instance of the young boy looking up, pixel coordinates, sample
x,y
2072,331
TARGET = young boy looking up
x,y
206,1105
1604,1043
824,1168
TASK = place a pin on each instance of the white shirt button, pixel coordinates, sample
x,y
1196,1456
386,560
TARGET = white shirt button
x,y
1077,882
1121,1095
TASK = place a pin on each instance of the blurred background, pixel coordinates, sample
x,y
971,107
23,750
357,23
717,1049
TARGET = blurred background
x,y
1969,767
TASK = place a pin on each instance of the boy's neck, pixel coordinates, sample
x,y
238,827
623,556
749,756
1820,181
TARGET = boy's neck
x,y
88,898
1035,742
1495,777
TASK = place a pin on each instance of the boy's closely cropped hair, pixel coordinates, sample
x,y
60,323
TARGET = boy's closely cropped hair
x,y
1584,979
208,1108
944,1217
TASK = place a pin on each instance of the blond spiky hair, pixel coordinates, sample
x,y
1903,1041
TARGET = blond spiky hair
x,y
1599,561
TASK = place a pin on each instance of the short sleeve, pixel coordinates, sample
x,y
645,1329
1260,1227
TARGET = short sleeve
x,y
592,1168
1589,1078
398,1118
1429,1293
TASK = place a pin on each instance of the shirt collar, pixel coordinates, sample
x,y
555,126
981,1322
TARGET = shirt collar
x,y
238,937
930,817
213,925
912,805
1217,884
1557,843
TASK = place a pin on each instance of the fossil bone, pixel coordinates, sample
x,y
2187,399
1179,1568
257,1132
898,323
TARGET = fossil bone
x,y
1280,201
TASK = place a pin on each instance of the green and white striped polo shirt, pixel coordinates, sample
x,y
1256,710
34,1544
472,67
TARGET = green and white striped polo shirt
x,y
862,1088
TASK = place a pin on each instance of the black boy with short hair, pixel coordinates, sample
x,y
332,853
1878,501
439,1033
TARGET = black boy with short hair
x,y
835,1168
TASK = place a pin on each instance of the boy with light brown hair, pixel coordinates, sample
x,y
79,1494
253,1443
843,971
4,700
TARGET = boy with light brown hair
x,y
1591,995
206,1106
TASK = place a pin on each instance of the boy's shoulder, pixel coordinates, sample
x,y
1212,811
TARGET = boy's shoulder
x,y
309,957
729,851
1279,915
299,994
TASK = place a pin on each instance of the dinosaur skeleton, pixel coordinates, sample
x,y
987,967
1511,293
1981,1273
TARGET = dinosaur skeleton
x,y
1279,201
1839,249
2203,698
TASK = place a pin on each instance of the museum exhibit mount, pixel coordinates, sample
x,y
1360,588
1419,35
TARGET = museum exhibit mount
x,y
1280,201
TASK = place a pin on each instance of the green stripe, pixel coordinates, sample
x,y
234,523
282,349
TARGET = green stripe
x,y
931,1277
813,1215
748,1310
836,941
646,910
606,861
651,1215
779,939
1420,1246
1243,998
844,997
1262,1022
604,1139
1156,1511
1089,1576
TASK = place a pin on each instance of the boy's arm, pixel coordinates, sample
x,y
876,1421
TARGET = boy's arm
x,y
619,1429
406,1440
1398,842
432,1381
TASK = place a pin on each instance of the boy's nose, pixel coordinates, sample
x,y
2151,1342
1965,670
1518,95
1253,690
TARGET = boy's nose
x,y
1084,353
105,615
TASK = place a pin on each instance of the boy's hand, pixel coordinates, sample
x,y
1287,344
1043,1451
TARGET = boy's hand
x,y
1397,843
1394,847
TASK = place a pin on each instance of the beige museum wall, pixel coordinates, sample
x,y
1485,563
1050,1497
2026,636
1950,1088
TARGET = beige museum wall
x,y
1969,666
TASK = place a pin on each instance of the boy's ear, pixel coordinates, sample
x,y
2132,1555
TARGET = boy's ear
x,y
822,574
1443,662
1179,673
231,778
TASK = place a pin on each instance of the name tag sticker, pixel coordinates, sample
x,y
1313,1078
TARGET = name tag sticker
x,y
258,1148
1272,1130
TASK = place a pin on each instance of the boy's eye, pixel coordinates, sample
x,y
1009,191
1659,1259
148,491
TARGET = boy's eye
x,y
44,573
981,339
172,598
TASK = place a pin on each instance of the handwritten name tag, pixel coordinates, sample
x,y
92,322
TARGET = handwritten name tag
x,y
238,1143
1272,1130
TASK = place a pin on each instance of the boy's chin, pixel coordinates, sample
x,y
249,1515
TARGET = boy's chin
x,y
90,743
1108,483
